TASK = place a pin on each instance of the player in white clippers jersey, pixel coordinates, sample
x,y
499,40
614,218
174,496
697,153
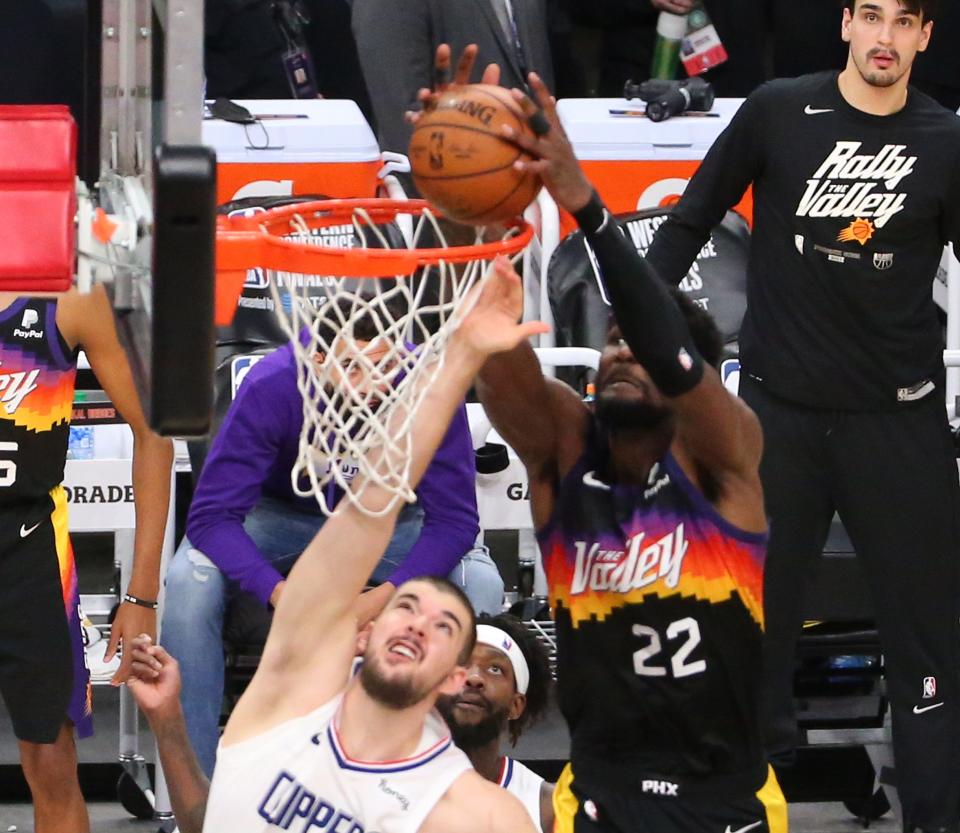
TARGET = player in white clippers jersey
x,y
507,689
310,748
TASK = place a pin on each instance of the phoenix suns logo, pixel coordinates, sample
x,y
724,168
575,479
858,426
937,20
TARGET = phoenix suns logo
x,y
860,231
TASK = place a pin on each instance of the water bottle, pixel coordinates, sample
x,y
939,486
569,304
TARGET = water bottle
x,y
80,445
671,29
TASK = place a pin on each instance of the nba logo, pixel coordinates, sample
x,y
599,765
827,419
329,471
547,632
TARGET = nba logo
x,y
239,368
730,373
507,644
256,279
929,688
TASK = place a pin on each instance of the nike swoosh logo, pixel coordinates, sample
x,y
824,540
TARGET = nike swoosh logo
x,y
590,480
918,710
744,829
810,111
24,532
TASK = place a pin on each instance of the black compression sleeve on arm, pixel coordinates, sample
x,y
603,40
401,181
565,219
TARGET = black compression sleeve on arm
x,y
651,322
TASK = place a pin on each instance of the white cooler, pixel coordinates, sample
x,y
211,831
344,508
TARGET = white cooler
x,y
634,162
314,147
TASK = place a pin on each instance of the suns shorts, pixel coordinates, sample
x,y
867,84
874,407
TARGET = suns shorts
x,y
594,804
44,680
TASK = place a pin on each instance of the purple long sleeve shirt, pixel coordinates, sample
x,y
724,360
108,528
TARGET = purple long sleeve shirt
x,y
253,454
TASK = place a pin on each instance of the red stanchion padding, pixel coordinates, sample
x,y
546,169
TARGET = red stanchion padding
x,y
38,202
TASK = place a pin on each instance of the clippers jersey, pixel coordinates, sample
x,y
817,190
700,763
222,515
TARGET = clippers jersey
x,y
525,784
297,777
37,374
658,605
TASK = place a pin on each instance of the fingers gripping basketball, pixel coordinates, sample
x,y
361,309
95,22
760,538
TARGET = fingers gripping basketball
x,y
461,161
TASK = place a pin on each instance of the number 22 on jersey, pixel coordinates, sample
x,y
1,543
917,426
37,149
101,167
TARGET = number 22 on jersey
x,y
646,660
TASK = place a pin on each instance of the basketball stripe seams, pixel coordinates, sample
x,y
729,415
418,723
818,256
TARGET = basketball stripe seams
x,y
468,127
471,174
499,202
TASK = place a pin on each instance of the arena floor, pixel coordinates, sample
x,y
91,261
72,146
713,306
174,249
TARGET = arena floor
x,y
111,818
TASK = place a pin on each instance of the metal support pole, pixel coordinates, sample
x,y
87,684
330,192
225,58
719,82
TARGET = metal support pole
x,y
183,75
163,810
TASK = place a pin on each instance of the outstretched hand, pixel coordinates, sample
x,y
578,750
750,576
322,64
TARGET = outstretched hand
x,y
154,678
491,325
553,158
427,98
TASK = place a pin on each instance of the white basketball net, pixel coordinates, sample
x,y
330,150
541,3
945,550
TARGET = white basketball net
x,y
360,377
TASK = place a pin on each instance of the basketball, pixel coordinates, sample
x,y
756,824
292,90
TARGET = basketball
x,y
462,164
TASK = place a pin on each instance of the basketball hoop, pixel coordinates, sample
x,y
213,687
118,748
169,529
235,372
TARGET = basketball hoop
x,y
368,349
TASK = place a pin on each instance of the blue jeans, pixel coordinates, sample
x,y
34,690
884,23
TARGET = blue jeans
x,y
197,594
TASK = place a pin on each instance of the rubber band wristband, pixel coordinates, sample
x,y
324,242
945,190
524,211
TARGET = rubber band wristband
x,y
140,602
592,216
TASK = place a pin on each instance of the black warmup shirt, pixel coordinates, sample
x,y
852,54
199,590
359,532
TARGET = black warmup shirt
x,y
851,213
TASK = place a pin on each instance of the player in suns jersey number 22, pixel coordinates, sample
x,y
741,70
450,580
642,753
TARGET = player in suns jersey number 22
x,y
651,525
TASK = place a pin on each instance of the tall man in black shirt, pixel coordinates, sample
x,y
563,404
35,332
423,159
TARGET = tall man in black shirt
x,y
856,183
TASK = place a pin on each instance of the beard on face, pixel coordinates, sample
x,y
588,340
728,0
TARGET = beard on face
x,y
881,79
616,415
401,693
469,736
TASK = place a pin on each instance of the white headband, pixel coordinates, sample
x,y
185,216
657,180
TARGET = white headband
x,y
502,641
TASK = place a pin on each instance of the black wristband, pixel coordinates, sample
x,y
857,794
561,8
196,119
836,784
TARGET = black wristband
x,y
591,217
139,602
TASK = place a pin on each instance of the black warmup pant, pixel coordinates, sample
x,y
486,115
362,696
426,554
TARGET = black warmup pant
x,y
892,477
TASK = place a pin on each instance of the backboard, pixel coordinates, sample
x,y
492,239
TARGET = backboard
x,y
157,182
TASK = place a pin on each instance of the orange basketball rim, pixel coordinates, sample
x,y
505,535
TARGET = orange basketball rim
x,y
274,240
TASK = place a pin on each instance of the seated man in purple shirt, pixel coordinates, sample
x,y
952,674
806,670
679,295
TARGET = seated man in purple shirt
x,y
247,527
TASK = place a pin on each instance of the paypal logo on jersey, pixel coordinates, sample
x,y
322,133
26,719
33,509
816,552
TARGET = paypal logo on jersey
x,y
289,805
30,318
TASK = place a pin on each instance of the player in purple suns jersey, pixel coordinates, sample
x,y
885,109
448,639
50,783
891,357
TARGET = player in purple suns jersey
x,y
650,520
313,747
856,185
44,680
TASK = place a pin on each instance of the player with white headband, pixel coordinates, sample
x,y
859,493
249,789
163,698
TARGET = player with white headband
x,y
507,688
